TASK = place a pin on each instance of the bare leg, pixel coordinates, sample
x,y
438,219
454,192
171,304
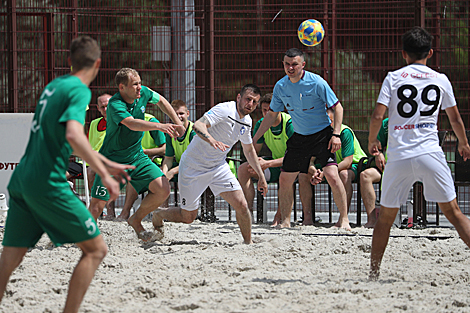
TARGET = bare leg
x,y
461,223
110,210
305,190
286,197
380,239
10,258
347,177
368,177
244,178
96,207
94,251
339,195
131,196
238,202
159,190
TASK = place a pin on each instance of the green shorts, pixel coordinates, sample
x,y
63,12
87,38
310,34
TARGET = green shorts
x,y
275,173
365,166
144,173
57,212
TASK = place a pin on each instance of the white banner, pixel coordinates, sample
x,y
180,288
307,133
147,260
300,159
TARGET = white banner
x,y
14,135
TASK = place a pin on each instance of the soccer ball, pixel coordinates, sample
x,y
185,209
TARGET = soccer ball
x,y
311,32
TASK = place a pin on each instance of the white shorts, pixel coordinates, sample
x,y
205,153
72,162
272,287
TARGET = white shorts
x,y
431,169
193,182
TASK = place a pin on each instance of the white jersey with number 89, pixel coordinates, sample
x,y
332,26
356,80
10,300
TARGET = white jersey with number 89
x,y
413,95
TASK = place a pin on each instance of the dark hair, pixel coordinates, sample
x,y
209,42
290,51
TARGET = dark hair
x,y
84,51
417,43
122,76
255,89
266,98
294,52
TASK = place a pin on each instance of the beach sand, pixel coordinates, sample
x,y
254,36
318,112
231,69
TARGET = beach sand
x,y
205,267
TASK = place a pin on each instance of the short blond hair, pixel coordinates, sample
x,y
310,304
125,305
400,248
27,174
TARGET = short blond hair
x,y
176,104
122,76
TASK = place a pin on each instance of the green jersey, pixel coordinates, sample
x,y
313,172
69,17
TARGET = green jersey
x,y
349,146
122,144
46,157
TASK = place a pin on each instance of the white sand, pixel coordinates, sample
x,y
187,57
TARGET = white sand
x,y
205,268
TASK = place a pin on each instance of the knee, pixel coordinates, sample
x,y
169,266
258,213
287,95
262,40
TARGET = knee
x,y
99,252
343,175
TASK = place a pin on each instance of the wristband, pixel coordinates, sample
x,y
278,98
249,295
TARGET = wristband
x,y
336,135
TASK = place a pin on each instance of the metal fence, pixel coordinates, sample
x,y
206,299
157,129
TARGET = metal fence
x,y
203,52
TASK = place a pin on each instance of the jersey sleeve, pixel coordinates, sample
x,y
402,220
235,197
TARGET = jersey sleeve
x,y
347,143
289,128
276,103
325,93
154,97
215,115
382,136
157,136
79,98
385,92
261,139
117,111
448,99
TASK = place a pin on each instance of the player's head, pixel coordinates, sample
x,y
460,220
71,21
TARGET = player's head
x,y
248,99
417,43
85,53
265,101
103,103
129,83
294,63
181,110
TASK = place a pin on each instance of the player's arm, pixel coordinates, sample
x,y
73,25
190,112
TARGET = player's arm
x,y
375,123
267,122
252,159
77,139
200,127
335,142
166,107
459,129
155,151
141,125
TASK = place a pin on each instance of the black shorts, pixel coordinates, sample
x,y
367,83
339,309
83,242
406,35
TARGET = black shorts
x,y
75,170
300,148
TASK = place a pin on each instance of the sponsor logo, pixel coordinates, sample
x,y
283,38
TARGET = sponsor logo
x,y
330,160
423,75
142,108
8,166
404,74
414,126
242,130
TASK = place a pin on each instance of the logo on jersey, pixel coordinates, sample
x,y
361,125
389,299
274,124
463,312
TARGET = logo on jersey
x,y
415,126
404,74
142,108
330,160
242,130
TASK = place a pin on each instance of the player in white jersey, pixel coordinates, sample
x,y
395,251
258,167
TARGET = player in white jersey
x,y
413,95
203,163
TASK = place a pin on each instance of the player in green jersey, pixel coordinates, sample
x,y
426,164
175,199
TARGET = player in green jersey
x,y
41,200
123,143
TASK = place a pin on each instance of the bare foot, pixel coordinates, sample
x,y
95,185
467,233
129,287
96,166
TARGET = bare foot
x,y
137,225
283,225
120,219
145,235
109,218
307,222
342,225
275,223
370,224
157,221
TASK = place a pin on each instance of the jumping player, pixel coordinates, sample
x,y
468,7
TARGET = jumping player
x,y
204,163
413,95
